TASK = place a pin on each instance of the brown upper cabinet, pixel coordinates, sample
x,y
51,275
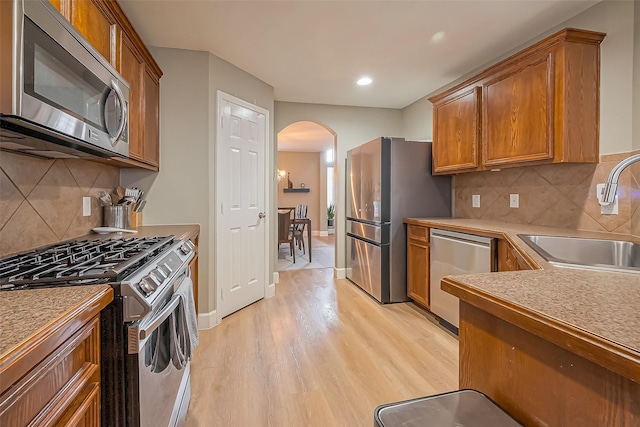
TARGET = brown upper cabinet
x,y
538,106
456,120
106,28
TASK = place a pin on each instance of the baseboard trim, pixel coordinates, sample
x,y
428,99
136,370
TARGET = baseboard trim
x,y
339,273
324,233
207,320
271,290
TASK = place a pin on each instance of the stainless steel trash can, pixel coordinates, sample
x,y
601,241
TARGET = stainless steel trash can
x,y
462,408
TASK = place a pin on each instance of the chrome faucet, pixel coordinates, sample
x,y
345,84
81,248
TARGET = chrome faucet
x,y
608,195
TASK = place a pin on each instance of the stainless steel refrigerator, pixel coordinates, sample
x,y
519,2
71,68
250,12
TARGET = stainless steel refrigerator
x,y
388,179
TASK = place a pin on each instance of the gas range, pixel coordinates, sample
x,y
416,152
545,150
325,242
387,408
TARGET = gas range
x,y
137,267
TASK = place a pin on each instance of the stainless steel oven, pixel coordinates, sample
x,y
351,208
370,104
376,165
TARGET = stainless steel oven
x,y
163,354
60,97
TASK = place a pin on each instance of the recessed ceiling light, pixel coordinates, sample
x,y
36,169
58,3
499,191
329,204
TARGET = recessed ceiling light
x,y
364,81
438,37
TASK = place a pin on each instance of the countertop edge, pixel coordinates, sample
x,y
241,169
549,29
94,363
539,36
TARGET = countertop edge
x,y
180,231
21,358
615,357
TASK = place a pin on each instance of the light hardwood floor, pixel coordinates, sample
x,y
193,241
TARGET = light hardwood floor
x,y
319,353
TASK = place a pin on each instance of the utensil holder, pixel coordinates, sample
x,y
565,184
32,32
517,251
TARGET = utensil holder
x,y
136,219
117,216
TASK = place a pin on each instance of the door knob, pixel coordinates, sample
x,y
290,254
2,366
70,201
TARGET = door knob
x,y
262,215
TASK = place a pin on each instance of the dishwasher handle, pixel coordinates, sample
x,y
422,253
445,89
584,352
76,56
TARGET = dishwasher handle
x,y
471,238
488,242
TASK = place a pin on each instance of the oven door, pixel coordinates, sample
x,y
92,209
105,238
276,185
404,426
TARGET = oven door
x,y
163,375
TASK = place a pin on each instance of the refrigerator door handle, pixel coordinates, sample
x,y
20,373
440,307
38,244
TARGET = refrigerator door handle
x,y
364,239
375,233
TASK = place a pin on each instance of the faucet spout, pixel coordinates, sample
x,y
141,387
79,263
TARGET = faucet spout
x,y
608,194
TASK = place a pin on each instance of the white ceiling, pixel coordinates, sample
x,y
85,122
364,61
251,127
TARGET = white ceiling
x,y
314,51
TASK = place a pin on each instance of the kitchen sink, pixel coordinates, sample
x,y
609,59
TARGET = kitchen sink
x,y
613,255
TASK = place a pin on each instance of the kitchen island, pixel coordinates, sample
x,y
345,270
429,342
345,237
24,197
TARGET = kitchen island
x,y
551,345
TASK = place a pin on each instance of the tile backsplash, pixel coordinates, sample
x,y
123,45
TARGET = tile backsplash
x,y
41,200
557,195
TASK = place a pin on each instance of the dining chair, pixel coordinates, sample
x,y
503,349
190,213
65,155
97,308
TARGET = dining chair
x,y
299,229
285,231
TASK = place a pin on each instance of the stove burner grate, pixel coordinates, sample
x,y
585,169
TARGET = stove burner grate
x,y
80,262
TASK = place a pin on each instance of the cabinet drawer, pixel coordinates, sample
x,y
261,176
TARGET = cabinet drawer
x,y
418,232
57,384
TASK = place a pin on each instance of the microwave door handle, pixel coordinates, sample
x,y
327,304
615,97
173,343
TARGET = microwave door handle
x,y
123,102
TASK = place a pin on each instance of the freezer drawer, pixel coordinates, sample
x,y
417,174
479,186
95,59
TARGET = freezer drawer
x,y
378,233
454,253
367,267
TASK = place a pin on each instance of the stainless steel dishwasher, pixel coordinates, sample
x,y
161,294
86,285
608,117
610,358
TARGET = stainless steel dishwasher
x,y
453,253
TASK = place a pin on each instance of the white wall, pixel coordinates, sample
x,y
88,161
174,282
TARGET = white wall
x,y
353,126
616,18
178,194
183,191
417,120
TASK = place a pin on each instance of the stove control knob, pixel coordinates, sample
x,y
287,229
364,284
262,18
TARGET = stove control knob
x,y
148,284
186,247
159,274
166,269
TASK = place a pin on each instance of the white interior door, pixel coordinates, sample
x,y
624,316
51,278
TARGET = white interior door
x,y
242,231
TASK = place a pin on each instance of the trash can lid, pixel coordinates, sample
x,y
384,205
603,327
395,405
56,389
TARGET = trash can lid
x,y
462,408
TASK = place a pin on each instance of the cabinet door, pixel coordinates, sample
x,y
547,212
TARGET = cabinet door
x,y
418,264
151,119
509,259
518,112
96,27
456,132
418,272
131,68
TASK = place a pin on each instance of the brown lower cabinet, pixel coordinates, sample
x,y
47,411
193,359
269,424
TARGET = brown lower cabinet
x,y
418,264
509,259
40,387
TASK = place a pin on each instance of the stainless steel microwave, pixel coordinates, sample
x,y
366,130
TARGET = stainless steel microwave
x,y
58,96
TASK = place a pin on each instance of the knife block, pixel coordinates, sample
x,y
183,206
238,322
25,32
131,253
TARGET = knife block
x,y
136,219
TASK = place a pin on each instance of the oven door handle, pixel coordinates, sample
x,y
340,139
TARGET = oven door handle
x,y
164,314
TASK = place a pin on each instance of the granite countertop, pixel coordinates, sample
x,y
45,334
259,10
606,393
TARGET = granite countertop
x,y
602,307
26,314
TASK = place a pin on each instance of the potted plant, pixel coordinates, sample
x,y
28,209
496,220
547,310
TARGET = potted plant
x,y
331,213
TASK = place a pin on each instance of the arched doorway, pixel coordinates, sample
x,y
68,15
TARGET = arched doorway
x,y
305,162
